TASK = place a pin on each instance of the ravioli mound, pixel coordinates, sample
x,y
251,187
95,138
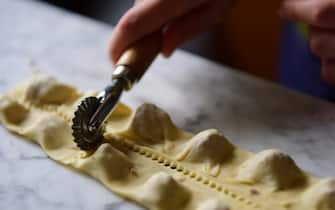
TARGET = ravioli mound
x,y
146,158
321,196
271,167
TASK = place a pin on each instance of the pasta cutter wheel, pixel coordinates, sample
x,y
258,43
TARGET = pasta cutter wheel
x,y
92,112
84,137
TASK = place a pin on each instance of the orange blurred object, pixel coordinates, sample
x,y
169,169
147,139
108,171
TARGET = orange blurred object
x,y
249,38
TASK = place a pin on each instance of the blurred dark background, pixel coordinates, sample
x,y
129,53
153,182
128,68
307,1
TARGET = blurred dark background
x,y
247,39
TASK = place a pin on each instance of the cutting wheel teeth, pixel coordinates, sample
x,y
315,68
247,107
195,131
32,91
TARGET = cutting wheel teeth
x,y
85,139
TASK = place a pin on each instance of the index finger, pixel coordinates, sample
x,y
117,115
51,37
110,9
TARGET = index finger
x,y
144,18
319,13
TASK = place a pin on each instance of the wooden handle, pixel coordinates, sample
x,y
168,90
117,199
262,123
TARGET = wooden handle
x,y
140,55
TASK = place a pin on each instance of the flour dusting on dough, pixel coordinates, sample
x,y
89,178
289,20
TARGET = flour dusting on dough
x,y
45,89
209,148
152,124
163,191
213,204
147,159
107,163
11,111
271,167
321,196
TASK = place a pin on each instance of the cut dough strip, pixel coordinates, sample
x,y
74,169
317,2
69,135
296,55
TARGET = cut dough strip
x,y
147,159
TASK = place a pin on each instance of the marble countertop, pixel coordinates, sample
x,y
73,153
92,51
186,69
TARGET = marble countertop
x,y
199,94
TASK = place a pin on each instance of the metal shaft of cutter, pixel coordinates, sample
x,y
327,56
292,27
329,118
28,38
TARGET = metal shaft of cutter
x,y
131,66
108,99
92,112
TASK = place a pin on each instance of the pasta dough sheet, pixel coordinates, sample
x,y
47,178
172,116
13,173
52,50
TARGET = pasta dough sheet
x,y
146,158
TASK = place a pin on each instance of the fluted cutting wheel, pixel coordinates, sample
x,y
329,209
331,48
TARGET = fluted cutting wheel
x,y
84,138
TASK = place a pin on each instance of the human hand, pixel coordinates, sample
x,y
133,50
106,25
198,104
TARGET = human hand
x,y
320,16
179,21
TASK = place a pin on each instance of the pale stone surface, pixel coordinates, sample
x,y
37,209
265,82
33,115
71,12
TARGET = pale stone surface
x,y
197,93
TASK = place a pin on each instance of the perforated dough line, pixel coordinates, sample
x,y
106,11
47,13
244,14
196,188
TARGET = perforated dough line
x,y
146,158
155,157
175,165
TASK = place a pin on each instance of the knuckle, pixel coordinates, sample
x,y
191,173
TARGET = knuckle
x,y
321,12
327,73
183,6
128,22
221,7
317,46
180,7
219,13
324,74
217,17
